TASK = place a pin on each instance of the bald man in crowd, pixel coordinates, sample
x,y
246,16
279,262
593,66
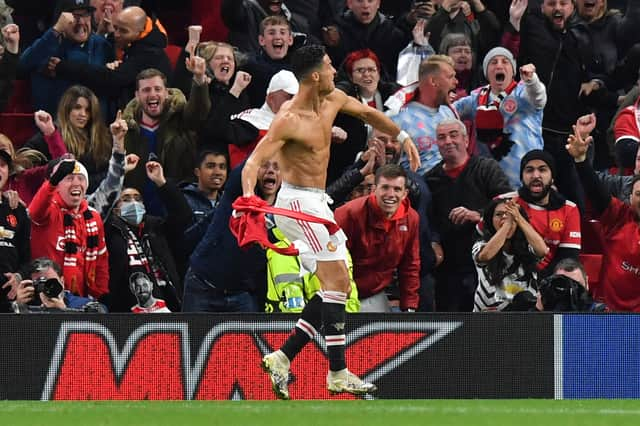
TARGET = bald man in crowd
x,y
140,43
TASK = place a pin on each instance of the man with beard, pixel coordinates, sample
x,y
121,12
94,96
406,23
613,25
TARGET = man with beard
x,y
423,105
161,124
551,215
559,44
71,39
619,223
142,287
222,277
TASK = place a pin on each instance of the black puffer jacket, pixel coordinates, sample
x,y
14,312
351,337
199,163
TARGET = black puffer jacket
x,y
563,62
613,35
243,18
382,36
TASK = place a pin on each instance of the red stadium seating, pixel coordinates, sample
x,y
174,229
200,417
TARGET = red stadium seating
x,y
592,238
20,100
17,126
173,52
207,14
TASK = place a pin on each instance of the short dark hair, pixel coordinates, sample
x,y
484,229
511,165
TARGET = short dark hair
x,y
570,264
202,155
44,263
307,59
150,73
636,178
391,171
139,275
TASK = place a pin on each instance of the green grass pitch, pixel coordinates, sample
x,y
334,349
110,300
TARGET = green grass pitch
x,y
325,413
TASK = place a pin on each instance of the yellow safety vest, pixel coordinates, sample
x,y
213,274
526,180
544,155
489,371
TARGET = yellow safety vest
x,y
287,291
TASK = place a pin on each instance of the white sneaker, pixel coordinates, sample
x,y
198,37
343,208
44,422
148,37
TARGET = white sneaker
x,y
277,365
346,381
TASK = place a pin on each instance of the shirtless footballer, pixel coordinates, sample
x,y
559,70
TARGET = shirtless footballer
x,y
300,137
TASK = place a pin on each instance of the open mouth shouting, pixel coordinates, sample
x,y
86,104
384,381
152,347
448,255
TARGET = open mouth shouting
x,y
269,184
536,186
589,6
278,47
76,194
558,19
80,32
500,77
153,107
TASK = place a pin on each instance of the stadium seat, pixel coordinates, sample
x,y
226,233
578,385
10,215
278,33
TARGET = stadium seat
x,y
17,126
207,14
20,100
592,237
173,52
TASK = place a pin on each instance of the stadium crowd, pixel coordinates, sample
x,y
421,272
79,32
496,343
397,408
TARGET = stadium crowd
x,y
124,126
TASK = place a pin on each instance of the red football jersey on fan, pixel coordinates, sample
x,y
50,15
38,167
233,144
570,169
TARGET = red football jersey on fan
x,y
621,275
626,125
559,228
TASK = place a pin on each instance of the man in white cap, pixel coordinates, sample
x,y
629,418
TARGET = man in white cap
x,y
247,128
68,231
507,115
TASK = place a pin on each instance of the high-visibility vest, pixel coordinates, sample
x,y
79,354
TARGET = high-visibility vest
x,y
287,291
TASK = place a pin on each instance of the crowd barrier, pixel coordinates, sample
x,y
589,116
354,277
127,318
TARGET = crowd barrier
x,y
209,356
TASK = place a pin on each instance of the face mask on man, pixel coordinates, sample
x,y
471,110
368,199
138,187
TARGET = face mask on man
x,y
132,212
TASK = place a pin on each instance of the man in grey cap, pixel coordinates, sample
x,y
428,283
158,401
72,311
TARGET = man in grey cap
x,y
507,115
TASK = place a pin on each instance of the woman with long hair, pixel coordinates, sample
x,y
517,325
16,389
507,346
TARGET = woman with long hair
x,y
82,128
505,256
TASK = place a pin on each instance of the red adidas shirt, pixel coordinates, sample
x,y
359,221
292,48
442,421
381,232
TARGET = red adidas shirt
x,y
559,228
621,274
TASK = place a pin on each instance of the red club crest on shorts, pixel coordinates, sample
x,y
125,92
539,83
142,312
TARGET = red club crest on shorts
x,y
11,220
331,247
510,105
